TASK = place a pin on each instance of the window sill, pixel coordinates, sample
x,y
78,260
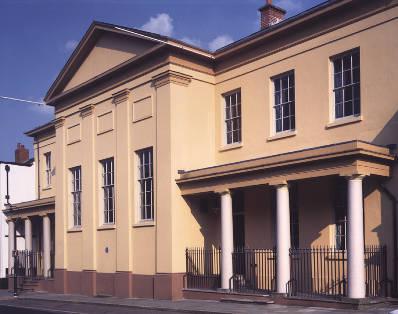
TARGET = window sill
x,y
281,135
106,227
344,121
47,188
143,224
75,229
231,147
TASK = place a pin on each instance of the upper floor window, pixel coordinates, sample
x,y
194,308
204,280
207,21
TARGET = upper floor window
x,y
284,102
346,78
233,120
76,191
145,184
47,157
108,190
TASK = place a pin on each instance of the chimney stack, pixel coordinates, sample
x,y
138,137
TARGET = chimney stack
x,y
21,154
271,14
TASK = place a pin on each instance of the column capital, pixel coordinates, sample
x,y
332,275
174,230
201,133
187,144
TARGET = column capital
x,y
59,122
121,96
278,183
357,176
87,110
223,191
169,76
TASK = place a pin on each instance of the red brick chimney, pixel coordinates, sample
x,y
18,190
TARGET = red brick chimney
x,y
21,154
271,14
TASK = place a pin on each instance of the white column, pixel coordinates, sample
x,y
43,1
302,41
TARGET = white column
x,y
355,241
28,234
282,237
227,239
46,245
11,244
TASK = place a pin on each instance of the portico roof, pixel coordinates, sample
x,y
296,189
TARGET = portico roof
x,y
347,158
37,207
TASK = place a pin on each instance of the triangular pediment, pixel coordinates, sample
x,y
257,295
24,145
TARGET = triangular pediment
x,y
109,51
101,49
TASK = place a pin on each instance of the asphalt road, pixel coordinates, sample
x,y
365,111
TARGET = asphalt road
x,y
45,307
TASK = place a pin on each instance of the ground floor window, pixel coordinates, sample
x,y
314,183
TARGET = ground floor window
x,y
340,213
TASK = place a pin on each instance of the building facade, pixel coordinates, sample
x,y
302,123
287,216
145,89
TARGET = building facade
x,y
272,148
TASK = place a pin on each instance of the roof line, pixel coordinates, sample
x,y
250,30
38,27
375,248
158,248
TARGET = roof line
x,y
168,42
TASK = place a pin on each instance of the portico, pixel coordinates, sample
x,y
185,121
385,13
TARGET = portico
x,y
349,162
35,222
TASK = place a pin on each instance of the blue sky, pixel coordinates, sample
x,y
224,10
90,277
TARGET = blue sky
x,y
38,36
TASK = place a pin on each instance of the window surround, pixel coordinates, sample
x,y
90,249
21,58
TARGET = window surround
x,y
274,135
47,170
141,221
110,186
75,191
349,119
224,143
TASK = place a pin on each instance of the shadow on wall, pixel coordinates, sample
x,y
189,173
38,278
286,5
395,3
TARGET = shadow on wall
x,y
205,210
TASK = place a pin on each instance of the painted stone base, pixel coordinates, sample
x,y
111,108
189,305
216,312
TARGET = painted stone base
x,y
120,284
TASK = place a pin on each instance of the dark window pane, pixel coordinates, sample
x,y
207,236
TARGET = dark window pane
x,y
239,109
278,125
355,59
229,137
291,79
292,123
338,96
337,65
348,108
347,77
347,93
236,136
357,106
277,98
339,110
239,97
285,95
357,91
284,82
233,99
229,126
292,109
346,62
356,75
286,123
285,110
338,80
278,112
277,85
291,94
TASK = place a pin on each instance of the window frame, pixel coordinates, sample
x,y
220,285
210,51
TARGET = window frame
x,y
108,191
76,194
48,170
142,182
238,116
344,86
291,117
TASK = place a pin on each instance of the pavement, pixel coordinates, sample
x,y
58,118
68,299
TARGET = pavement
x,y
37,302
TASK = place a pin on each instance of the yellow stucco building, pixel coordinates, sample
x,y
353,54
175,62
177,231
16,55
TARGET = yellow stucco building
x,y
279,148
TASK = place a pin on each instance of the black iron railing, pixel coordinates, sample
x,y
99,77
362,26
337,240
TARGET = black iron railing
x,y
202,268
322,272
253,270
29,264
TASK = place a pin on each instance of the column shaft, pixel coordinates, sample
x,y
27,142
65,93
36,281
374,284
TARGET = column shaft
x,y
282,238
11,244
28,234
355,240
46,246
227,239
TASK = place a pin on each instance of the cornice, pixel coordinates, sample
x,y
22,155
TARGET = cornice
x,y
169,77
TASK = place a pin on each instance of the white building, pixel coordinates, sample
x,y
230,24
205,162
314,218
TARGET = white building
x,y
21,189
